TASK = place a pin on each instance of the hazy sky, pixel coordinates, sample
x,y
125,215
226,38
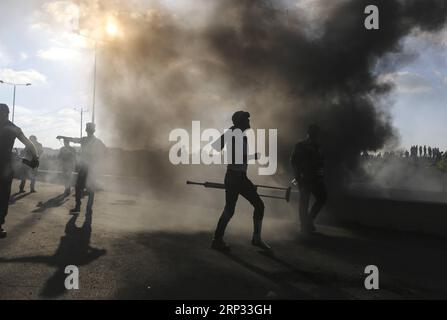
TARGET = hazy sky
x,y
37,45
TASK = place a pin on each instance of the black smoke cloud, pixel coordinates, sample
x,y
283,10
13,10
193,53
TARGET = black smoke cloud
x,y
167,72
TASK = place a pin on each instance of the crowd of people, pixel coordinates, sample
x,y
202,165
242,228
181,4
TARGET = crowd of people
x,y
427,163
307,161
424,152
415,152
91,149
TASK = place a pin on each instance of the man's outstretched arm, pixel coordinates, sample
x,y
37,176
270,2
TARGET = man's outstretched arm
x,y
70,139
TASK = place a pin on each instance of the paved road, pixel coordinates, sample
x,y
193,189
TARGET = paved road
x,y
144,248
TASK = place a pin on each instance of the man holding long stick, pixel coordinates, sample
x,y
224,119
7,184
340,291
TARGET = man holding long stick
x,y
237,182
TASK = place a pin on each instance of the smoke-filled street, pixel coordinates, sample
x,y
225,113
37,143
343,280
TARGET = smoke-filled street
x,y
198,154
120,257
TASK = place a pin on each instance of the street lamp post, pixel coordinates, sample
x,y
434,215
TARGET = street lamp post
x,y
94,84
95,42
81,110
14,95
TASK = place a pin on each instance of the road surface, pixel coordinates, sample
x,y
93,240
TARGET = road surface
x,y
144,248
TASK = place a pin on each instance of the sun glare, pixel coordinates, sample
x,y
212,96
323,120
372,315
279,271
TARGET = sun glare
x,y
111,28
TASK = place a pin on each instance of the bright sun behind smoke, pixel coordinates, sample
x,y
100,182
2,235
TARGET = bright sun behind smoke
x,y
111,27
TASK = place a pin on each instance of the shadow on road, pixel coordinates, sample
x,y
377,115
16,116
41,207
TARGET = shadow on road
x,y
327,266
182,266
18,196
57,201
410,265
314,277
281,279
74,249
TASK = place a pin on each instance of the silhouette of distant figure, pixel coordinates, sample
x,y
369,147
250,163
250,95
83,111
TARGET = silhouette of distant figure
x,y
429,152
425,151
27,171
308,164
92,150
420,151
67,158
8,133
237,183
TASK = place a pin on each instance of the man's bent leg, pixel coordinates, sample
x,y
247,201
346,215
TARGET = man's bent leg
x,y
79,189
228,212
231,195
22,185
91,199
249,192
320,193
304,206
67,182
33,174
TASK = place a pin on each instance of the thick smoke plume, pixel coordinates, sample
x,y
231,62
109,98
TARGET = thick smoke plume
x,y
289,68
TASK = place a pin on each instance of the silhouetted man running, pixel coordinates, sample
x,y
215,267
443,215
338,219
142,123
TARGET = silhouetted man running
x,y
8,133
308,164
237,183
92,149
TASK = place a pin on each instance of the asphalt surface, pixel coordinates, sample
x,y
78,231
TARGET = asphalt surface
x,y
144,248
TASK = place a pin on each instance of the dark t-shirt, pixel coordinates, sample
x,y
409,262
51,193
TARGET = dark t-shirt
x,y
8,133
308,161
229,138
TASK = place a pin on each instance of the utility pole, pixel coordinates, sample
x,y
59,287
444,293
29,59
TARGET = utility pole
x,y
81,111
94,83
95,52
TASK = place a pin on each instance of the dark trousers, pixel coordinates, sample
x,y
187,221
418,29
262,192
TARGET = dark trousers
x,y
5,193
81,185
237,183
318,190
66,175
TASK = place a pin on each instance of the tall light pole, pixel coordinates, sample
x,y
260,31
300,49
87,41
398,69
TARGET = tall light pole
x,y
95,42
14,95
111,30
81,111
94,83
